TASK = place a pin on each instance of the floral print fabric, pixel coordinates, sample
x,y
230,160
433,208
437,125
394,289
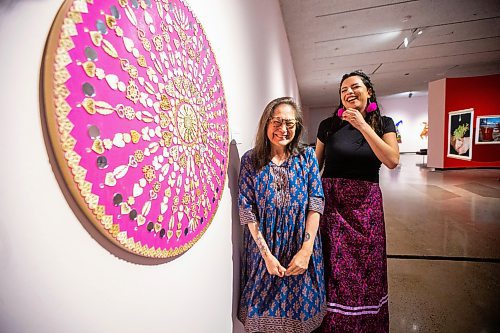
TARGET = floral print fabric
x,y
354,246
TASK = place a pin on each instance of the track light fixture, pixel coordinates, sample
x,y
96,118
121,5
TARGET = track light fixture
x,y
415,32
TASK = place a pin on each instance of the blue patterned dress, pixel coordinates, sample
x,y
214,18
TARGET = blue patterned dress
x,y
279,198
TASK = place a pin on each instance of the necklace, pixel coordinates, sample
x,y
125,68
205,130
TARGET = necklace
x,y
279,159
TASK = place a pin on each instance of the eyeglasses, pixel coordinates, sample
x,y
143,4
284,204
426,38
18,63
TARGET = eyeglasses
x,y
277,122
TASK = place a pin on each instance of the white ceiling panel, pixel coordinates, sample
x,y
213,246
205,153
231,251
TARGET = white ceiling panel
x,y
329,38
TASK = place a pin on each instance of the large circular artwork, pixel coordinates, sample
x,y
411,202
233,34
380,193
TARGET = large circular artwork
x,y
137,119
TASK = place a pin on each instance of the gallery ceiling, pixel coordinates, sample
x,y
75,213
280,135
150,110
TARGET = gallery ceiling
x,y
329,38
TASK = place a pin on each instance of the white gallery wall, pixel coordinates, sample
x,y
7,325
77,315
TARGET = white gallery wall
x,y
315,116
412,112
54,276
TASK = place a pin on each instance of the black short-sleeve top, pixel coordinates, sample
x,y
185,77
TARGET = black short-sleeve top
x,y
347,153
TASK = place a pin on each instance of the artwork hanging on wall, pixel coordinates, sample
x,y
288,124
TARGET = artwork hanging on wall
x,y
460,128
398,133
137,120
488,130
425,130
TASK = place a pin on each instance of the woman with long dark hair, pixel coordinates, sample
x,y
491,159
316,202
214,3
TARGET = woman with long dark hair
x,y
280,202
352,144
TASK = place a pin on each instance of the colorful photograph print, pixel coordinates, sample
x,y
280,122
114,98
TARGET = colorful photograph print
x,y
488,130
460,128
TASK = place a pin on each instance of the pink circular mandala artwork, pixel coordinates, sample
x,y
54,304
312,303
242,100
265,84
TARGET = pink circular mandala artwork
x,y
137,119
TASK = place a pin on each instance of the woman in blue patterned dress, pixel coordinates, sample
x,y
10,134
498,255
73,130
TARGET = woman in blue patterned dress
x,y
352,145
280,201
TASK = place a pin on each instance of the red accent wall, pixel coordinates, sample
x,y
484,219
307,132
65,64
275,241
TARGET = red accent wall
x,y
482,93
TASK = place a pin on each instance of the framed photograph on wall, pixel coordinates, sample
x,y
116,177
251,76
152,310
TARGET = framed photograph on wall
x,y
488,130
460,129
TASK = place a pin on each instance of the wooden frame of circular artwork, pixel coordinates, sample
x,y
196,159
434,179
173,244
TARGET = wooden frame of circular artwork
x,y
136,116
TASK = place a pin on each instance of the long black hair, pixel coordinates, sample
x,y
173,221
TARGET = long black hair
x,y
262,150
374,119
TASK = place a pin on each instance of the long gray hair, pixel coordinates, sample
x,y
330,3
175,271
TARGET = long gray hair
x,y
262,150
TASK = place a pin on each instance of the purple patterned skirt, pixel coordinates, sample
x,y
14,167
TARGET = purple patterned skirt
x,y
353,234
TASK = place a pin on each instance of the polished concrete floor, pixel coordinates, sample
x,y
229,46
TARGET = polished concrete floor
x,y
443,245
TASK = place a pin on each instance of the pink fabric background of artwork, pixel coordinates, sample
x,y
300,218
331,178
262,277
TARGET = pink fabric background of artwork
x,y
193,165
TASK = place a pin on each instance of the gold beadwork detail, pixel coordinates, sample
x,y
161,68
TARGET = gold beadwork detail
x,y
135,136
76,17
107,221
89,68
132,71
89,105
167,138
61,76
110,21
62,108
66,43
183,161
97,146
69,27
115,229
96,38
158,41
165,103
146,44
132,91
62,59
139,155
129,112
156,187
149,172
164,119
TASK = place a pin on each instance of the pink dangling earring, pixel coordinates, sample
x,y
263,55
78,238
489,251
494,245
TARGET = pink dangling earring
x,y
372,106
340,111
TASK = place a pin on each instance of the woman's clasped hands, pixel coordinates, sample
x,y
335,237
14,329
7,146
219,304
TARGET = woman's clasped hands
x,y
298,264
